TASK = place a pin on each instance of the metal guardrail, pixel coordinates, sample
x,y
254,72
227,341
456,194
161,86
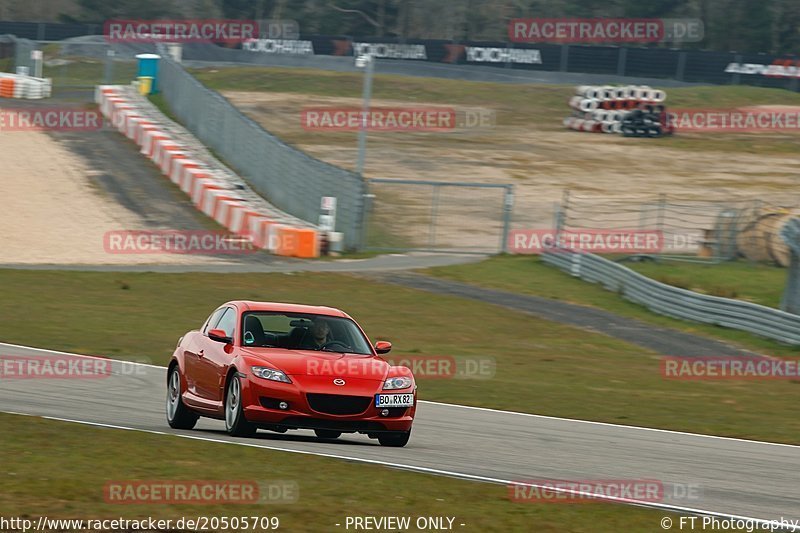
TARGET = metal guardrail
x,y
679,303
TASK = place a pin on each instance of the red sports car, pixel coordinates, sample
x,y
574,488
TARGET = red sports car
x,y
283,366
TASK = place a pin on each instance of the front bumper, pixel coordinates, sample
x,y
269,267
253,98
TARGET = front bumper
x,y
262,399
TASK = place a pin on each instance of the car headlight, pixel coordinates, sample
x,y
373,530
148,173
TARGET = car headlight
x,y
271,374
397,383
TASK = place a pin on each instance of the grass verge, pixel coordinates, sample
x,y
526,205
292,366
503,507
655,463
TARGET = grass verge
x,y
528,275
540,367
743,280
49,470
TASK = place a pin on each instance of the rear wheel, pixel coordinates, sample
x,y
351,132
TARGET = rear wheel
x,y
396,439
178,415
235,422
327,433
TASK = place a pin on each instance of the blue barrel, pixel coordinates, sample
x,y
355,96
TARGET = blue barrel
x,y
148,66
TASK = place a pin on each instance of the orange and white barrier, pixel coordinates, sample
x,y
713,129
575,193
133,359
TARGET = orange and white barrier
x,y
23,86
207,187
7,87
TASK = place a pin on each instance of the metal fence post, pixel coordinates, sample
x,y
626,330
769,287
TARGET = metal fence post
x,y
508,209
662,205
790,234
108,72
791,296
367,201
564,58
362,132
563,211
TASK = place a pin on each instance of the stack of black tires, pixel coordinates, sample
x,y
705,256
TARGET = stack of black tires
x,y
647,120
632,110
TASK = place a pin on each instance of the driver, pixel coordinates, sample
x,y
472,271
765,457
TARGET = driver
x,y
317,335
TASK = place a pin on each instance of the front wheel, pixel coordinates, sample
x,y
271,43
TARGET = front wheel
x,y
178,415
235,422
396,439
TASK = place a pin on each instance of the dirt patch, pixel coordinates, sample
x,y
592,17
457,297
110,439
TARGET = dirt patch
x,y
56,211
540,160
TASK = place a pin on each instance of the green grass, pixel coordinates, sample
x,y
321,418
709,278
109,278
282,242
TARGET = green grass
x,y
57,469
160,102
541,367
535,106
83,72
743,280
528,275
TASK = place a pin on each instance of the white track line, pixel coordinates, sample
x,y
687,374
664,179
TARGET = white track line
x,y
425,470
446,473
487,409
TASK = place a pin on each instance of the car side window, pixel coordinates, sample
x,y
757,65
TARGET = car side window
x,y
228,322
213,319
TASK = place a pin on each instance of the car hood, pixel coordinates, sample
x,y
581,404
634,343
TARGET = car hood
x,y
329,364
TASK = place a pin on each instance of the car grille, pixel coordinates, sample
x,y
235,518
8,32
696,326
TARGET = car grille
x,y
336,404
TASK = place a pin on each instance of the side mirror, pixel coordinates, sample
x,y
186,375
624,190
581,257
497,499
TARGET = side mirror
x,y
219,335
383,347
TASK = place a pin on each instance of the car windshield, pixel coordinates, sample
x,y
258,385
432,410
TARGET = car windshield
x,y
301,331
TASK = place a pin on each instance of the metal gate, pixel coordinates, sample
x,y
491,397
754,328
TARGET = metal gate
x,y
441,216
78,64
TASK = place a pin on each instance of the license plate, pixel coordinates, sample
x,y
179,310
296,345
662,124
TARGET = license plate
x,y
394,400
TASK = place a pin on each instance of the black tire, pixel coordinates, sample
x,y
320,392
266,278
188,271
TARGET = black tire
x,y
178,415
235,423
654,131
327,433
395,439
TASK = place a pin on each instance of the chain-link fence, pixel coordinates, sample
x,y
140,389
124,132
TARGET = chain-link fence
x,y
438,216
290,179
73,65
23,48
7,53
691,230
